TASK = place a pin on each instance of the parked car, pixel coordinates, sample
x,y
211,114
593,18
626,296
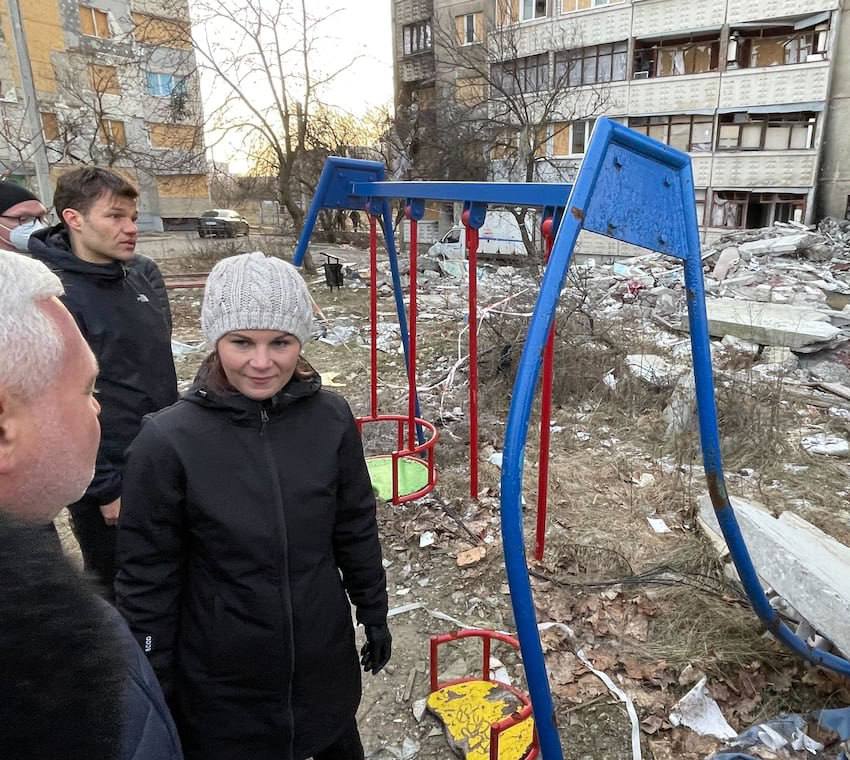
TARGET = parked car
x,y
222,222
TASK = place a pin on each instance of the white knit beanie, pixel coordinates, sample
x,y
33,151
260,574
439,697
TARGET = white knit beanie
x,y
256,292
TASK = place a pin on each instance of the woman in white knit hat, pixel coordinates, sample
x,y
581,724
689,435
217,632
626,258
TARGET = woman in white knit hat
x,y
247,524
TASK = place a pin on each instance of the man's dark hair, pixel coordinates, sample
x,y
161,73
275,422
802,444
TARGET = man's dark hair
x,y
79,189
61,668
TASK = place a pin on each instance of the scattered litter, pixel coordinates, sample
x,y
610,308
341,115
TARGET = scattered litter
x,y
698,711
496,459
658,525
781,733
612,687
471,556
338,335
418,709
427,539
179,349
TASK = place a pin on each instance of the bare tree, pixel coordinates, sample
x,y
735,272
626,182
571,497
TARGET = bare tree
x,y
508,102
262,56
101,110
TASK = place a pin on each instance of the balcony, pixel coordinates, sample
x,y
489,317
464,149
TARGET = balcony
x,y
681,94
798,83
764,169
666,16
757,10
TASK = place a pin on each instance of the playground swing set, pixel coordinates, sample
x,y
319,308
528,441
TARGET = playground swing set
x,y
630,188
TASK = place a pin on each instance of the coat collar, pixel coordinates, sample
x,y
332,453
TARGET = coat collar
x,y
246,411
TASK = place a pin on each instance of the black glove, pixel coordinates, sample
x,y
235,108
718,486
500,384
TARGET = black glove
x,y
377,649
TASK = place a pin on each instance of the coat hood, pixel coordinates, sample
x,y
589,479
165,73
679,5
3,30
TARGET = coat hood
x,y
52,246
242,409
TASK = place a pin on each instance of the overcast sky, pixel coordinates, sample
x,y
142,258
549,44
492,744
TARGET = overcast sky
x,y
356,30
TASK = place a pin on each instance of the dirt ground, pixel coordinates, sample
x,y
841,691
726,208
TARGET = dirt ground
x,y
655,612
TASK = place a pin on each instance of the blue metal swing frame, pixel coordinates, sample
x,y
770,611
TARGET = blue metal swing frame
x,y
629,188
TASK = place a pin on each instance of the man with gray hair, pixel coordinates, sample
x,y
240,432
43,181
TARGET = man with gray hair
x,y
75,683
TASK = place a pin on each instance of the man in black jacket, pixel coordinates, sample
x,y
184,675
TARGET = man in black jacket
x,y
119,302
75,684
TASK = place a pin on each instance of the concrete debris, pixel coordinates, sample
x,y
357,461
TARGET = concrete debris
x,y
653,369
771,324
799,562
826,444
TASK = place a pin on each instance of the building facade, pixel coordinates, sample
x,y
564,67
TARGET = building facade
x,y
117,86
757,91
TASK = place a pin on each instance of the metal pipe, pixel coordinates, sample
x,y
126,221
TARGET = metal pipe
x,y
389,238
472,248
545,432
373,312
411,364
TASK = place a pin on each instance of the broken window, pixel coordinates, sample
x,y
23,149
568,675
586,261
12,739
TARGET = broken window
x,y
112,132
667,58
104,79
783,131
416,37
691,134
593,64
522,75
777,46
469,28
571,138
737,210
728,210
50,126
532,9
94,23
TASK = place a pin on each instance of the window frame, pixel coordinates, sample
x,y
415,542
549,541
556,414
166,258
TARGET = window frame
x,y
469,24
643,124
568,61
108,133
652,54
815,47
807,119
178,84
419,32
513,75
50,128
534,5
559,127
95,14
104,74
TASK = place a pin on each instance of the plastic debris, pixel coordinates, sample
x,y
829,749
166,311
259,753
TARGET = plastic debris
x,y
698,711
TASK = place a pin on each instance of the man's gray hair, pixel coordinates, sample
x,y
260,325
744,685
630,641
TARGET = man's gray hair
x,y
30,342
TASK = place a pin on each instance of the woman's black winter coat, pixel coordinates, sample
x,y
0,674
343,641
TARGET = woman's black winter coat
x,y
243,524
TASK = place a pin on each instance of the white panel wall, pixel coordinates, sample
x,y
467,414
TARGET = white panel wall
x,y
782,84
598,25
702,170
768,169
665,16
673,94
756,10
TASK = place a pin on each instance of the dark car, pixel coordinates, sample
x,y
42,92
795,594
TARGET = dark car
x,y
222,222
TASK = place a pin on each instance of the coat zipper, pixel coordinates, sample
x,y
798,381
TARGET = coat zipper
x,y
283,569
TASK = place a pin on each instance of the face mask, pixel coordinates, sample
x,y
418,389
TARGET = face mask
x,y
19,236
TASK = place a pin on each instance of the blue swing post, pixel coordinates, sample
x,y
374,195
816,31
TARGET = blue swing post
x,y
637,190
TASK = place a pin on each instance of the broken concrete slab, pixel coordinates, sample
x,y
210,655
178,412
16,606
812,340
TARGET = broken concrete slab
x,y
801,563
770,324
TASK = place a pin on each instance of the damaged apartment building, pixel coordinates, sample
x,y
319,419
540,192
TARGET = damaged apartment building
x,y
757,91
117,86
